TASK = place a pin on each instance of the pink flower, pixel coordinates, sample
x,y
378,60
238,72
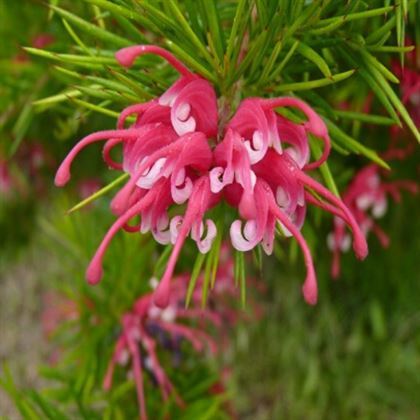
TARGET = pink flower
x,y
42,40
261,166
143,328
166,152
191,100
367,198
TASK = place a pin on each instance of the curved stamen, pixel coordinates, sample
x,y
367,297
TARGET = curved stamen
x,y
310,288
128,55
106,153
130,110
63,173
94,271
119,347
138,375
326,206
359,244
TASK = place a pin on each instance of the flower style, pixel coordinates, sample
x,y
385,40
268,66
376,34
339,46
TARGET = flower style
x,y
367,198
259,167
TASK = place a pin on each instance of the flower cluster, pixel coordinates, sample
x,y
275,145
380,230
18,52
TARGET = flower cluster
x,y
147,328
367,198
176,154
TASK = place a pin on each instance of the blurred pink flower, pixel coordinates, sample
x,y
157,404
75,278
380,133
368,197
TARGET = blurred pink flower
x,y
146,328
367,198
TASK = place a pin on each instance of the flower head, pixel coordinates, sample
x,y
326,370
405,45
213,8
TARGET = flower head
x,y
262,164
259,166
147,328
367,198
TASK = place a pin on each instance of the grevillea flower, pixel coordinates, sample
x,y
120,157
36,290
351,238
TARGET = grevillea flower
x,y
166,152
367,198
260,167
147,328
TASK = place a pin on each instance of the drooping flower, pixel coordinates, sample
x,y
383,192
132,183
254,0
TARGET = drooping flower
x,y
367,198
167,154
261,169
146,328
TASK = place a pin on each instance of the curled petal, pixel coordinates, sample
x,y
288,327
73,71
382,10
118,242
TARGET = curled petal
x,y
181,189
218,179
150,176
204,244
174,227
195,109
314,125
160,232
248,239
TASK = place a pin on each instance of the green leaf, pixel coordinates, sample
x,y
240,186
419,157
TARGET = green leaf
x,y
98,193
314,83
190,61
324,169
353,145
88,61
367,118
315,58
238,26
371,60
285,60
216,32
373,84
93,30
96,108
393,97
54,99
355,16
188,32
194,277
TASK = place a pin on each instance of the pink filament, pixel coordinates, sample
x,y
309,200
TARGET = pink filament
x,y
359,243
94,271
310,288
127,56
138,376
